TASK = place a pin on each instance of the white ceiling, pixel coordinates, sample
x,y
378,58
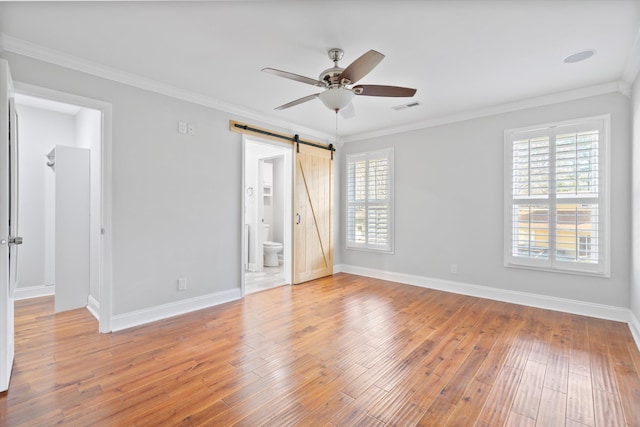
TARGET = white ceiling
x,y
46,104
462,56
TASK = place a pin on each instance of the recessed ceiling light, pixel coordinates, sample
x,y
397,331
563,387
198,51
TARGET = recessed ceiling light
x,y
579,56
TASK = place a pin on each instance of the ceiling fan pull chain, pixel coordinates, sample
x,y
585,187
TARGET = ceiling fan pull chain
x,y
331,145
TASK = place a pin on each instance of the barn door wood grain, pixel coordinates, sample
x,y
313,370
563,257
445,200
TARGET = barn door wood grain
x,y
313,213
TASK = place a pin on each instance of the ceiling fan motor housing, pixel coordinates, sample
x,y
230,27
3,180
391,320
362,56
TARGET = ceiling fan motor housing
x,y
335,54
331,75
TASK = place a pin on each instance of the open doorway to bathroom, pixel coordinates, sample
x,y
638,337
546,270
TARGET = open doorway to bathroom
x,y
267,214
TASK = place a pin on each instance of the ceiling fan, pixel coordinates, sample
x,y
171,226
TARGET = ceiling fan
x,y
339,83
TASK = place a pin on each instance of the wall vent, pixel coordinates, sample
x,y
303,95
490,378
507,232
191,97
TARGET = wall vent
x,y
409,105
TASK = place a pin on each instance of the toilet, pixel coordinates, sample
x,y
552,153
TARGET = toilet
x,y
270,249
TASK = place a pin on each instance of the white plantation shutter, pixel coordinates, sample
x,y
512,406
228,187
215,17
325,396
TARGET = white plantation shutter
x,y
555,199
370,200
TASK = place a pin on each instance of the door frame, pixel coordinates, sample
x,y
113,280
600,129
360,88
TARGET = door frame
x,y
105,267
288,211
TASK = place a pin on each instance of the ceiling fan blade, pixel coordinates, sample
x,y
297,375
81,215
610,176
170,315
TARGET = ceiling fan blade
x,y
292,76
298,101
348,112
361,66
379,90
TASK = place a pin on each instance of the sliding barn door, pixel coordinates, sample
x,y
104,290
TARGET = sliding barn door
x,y
313,214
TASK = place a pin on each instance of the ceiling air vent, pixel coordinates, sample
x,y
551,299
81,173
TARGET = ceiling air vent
x,y
409,105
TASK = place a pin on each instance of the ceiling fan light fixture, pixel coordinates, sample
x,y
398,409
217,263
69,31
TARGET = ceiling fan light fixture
x,y
336,98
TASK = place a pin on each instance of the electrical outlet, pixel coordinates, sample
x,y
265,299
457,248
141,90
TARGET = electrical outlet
x,y
182,284
191,129
182,127
454,268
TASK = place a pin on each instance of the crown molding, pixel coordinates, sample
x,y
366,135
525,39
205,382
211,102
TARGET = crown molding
x,y
52,56
616,86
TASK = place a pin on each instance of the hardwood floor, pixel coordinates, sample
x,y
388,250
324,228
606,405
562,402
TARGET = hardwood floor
x,y
344,351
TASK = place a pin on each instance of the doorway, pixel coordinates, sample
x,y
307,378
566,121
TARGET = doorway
x,y
267,200
61,174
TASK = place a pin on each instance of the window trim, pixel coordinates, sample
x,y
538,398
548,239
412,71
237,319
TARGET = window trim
x,y
389,154
603,267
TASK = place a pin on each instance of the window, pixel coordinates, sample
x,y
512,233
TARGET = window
x,y
370,200
556,201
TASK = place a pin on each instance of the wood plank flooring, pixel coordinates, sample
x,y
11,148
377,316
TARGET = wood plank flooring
x,y
339,351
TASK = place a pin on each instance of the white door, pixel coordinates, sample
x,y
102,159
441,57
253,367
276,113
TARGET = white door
x,y
8,221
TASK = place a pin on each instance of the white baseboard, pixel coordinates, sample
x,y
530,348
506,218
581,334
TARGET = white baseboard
x,y
94,307
151,314
583,308
34,292
634,325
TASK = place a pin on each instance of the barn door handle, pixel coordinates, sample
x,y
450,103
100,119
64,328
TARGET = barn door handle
x,y
297,218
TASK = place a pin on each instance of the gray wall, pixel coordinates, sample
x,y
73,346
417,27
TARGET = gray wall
x,y
449,204
278,199
176,198
40,131
635,267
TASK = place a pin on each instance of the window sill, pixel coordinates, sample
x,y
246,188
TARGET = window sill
x,y
604,275
375,251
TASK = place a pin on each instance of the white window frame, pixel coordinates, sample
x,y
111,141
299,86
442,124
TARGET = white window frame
x,y
602,267
350,158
